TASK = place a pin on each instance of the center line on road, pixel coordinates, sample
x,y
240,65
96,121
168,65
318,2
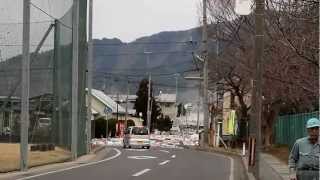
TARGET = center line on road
x,y
164,162
173,156
141,172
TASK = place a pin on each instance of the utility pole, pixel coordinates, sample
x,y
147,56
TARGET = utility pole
x,y
217,122
198,107
25,87
255,120
89,77
205,75
75,79
177,80
118,112
126,117
149,94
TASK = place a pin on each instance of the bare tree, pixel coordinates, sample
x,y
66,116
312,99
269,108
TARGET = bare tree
x,y
290,77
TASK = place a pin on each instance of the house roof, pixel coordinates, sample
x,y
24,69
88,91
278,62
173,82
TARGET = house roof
x,y
169,98
123,97
106,100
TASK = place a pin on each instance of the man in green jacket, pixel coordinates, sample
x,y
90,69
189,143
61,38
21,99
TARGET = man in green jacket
x,y
304,156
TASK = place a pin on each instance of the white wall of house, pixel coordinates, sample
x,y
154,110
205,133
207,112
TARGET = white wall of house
x,y
169,109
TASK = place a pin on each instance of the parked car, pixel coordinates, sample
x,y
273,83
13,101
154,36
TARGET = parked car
x,y
44,122
137,136
7,131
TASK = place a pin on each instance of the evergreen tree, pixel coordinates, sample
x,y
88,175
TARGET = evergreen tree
x,y
141,104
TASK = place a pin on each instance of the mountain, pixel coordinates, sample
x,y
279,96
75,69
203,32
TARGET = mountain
x,y
168,53
116,63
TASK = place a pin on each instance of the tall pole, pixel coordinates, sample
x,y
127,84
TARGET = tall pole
x,y
205,75
220,94
127,98
25,87
255,120
198,107
118,112
176,103
107,126
89,77
149,94
75,66
149,103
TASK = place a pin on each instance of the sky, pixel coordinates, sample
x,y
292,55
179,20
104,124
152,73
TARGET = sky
x,y
132,19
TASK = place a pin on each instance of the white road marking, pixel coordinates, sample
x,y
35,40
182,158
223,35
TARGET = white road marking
x,y
140,150
141,172
173,156
164,151
74,167
164,162
231,169
141,157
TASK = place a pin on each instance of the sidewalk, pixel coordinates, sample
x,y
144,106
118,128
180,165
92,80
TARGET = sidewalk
x,y
278,167
270,168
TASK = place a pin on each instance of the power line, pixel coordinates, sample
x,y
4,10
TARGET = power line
x,y
142,54
153,84
145,43
13,45
143,75
143,69
33,22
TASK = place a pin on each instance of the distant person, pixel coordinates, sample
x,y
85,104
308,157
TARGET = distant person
x,y
304,156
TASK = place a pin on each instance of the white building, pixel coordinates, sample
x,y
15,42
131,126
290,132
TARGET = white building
x,y
167,103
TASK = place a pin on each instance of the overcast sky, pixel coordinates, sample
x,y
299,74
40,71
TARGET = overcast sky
x,y
131,19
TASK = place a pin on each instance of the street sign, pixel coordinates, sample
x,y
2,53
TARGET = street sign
x,y
107,110
188,106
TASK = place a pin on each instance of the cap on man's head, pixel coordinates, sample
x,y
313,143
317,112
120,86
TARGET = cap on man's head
x,y
313,122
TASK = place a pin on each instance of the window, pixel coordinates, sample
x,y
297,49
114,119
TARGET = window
x,y
139,131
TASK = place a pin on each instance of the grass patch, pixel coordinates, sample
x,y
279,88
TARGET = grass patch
x,y
10,157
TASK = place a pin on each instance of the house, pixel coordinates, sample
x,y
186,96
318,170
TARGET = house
x,y
122,100
167,103
10,114
103,106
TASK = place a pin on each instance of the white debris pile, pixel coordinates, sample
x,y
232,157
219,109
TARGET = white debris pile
x,y
166,141
191,140
115,142
98,142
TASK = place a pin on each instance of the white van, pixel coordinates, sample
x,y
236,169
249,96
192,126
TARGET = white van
x,y
137,136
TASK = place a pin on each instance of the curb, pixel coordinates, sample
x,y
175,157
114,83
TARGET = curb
x,y
234,155
98,149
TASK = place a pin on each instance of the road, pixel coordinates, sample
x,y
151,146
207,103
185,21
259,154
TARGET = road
x,y
155,164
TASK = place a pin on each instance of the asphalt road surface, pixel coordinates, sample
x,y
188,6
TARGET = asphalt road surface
x,y
153,164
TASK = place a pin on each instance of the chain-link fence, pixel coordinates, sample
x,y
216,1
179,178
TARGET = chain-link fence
x,y
50,98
